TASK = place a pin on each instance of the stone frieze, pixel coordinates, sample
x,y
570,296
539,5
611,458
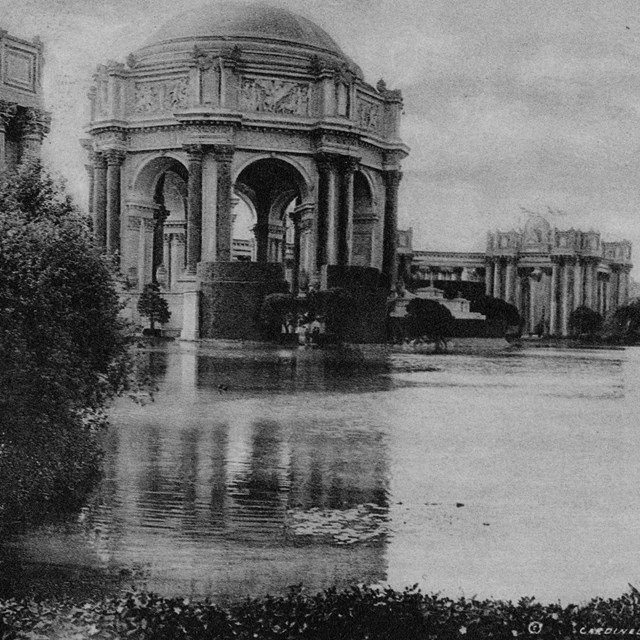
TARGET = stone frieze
x,y
156,97
274,96
368,114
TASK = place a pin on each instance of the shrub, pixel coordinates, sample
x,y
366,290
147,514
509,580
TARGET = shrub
x,y
274,311
585,321
359,613
430,319
499,313
153,306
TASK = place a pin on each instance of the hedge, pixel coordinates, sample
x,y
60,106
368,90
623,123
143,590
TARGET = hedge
x,y
359,613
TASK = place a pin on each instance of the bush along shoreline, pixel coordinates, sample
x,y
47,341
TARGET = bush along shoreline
x,y
359,613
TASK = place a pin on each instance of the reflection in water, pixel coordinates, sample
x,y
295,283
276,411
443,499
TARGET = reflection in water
x,y
336,469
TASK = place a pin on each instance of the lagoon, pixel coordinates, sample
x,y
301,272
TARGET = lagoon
x,y
504,473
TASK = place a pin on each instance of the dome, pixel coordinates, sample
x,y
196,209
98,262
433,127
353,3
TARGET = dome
x,y
234,21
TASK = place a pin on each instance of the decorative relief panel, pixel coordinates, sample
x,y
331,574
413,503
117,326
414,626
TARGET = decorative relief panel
x,y
274,96
20,68
368,114
161,96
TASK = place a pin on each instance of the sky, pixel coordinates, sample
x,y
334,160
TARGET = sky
x,y
509,105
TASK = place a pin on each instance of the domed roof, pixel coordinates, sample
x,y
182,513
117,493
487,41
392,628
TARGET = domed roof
x,y
225,20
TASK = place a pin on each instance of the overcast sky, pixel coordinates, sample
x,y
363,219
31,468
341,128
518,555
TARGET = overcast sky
x,y
509,104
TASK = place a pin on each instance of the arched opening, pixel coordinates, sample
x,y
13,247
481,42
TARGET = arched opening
x,y
363,222
269,190
158,212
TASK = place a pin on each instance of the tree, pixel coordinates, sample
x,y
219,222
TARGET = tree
x,y
624,325
153,306
430,319
499,313
585,321
274,311
62,347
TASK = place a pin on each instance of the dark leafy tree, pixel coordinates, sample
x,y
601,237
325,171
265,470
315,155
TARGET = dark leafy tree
x,y
624,325
431,320
153,306
499,313
584,321
275,309
62,348
335,306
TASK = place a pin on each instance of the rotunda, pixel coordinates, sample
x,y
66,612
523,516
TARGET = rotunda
x,y
238,149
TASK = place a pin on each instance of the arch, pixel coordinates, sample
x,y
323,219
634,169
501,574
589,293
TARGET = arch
x,y
146,176
271,184
304,183
161,183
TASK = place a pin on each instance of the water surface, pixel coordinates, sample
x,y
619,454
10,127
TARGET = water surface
x,y
505,474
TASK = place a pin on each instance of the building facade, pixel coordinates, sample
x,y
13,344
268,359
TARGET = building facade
x,y
23,121
545,272
248,107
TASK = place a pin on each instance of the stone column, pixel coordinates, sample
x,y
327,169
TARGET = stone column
x,y
321,223
565,300
295,275
497,278
8,112
389,257
553,302
224,202
194,207
35,126
100,200
623,293
577,283
114,158
532,304
588,283
488,278
510,280
345,238
331,253
166,259
614,287
594,283
261,231
517,300
177,258
145,251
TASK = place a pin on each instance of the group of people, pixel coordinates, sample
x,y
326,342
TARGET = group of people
x,y
309,329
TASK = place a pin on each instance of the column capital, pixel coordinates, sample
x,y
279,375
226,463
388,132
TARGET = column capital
x,y
326,161
194,152
8,111
35,122
223,153
393,177
349,164
99,159
114,157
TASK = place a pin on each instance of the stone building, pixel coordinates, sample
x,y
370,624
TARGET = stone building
x,y
243,107
23,121
545,272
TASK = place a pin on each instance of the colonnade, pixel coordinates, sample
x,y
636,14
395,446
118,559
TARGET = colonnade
x,y
323,230
545,295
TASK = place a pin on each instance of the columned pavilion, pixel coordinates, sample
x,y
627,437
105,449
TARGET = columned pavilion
x,y
243,114
545,272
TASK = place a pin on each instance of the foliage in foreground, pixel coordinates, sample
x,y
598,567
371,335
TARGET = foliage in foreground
x,y
62,348
356,614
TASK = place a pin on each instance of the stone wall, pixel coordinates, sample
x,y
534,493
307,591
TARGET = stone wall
x,y
232,294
